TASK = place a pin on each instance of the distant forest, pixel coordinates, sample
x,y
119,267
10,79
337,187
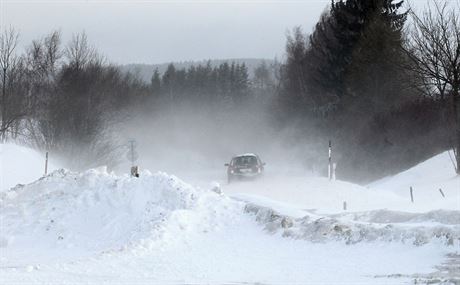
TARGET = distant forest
x,y
383,89
145,71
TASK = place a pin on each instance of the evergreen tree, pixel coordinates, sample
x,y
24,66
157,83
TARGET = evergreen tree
x,y
315,74
155,83
168,81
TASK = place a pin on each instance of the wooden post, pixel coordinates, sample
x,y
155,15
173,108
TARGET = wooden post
x,y
411,195
344,205
46,164
442,193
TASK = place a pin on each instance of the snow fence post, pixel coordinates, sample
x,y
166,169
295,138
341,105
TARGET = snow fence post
x,y
442,193
46,163
411,195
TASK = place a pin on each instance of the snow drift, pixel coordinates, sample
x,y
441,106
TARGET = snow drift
x,y
96,211
21,165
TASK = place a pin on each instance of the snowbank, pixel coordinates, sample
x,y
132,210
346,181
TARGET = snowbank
x,y
426,180
96,211
375,226
99,228
436,171
20,165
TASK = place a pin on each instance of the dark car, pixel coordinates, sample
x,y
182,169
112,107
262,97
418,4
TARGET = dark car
x,y
243,166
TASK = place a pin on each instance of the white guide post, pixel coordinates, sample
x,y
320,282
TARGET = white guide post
x,y
329,169
46,164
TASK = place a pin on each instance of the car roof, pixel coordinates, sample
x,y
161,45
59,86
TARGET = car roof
x,y
246,154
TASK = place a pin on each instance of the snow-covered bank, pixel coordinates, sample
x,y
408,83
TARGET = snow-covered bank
x,y
99,228
96,227
20,165
426,180
96,211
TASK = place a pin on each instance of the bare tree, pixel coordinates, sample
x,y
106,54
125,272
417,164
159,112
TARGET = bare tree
x,y
434,49
8,42
79,52
53,52
42,59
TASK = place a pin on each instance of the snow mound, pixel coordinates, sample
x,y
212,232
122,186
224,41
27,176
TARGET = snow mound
x,y
374,226
97,211
437,168
434,173
20,165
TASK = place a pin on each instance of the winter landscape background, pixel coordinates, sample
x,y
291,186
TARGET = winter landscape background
x,y
379,80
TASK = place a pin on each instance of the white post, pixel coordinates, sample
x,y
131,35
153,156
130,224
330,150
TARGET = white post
x,y
46,164
329,169
334,167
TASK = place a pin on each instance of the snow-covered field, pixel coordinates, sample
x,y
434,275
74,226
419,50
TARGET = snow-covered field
x,y
96,227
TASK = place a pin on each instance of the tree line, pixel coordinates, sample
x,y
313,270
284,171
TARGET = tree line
x,y
63,98
384,90
68,99
228,82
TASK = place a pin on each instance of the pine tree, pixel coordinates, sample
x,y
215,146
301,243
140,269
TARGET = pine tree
x,y
155,82
316,71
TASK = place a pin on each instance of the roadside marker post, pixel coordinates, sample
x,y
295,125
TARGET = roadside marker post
x,y
329,169
46,164
442,193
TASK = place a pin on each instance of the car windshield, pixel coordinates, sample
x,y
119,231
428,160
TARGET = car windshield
x,y
245,160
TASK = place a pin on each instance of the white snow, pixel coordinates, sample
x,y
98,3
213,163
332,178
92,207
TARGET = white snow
x,y
96,227
392,193
426,179
21,165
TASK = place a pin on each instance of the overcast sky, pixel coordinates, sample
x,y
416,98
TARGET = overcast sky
x,y
163,31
